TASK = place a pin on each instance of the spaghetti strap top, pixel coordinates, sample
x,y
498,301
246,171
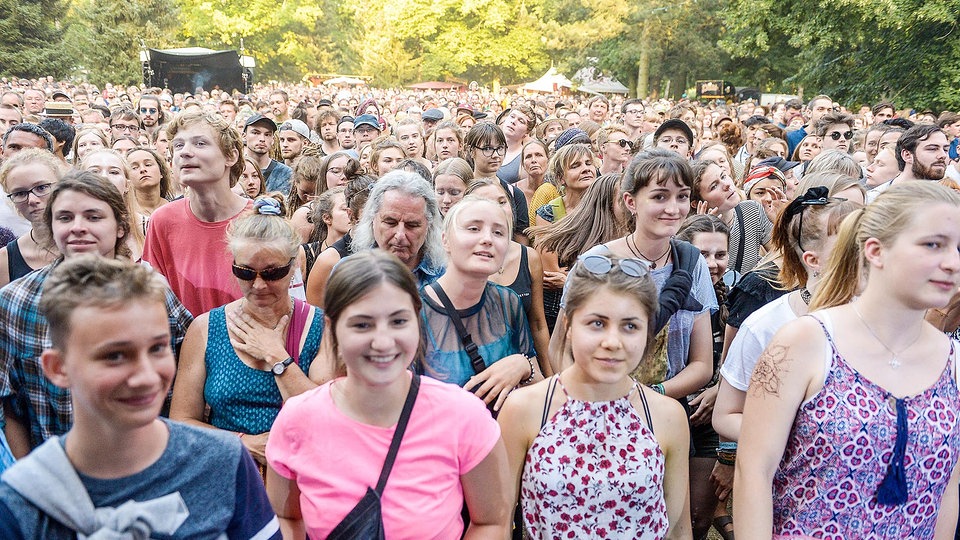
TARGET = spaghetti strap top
x,y
595,470
840,450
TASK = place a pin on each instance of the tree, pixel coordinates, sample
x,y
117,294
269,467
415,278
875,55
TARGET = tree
x,y
287,39
104,37
31,38
857,50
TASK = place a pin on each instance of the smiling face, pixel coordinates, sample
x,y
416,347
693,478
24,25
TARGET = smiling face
x,y
84,224
608,336
713,247
120,378
377,336
659,209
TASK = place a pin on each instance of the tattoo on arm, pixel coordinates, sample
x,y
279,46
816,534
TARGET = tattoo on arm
x,y
766,377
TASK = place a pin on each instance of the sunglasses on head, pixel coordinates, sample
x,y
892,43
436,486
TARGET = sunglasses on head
x,y
846,135
600,265
270,274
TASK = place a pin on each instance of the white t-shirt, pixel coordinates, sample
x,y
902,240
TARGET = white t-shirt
x,y
755,334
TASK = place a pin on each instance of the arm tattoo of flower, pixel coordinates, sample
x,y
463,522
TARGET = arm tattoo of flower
x,y
766,377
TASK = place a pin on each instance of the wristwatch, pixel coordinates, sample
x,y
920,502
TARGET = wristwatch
x,y
280,367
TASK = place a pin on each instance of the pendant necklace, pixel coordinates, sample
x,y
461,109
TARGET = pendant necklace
x,y
635,249
894,362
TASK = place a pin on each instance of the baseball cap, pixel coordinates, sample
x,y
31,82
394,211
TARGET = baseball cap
x,y
676,124
296,126
258,118
367,120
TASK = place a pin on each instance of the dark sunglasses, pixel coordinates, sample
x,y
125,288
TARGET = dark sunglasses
x,y
846,135
600,265
624,143
144,110
270,274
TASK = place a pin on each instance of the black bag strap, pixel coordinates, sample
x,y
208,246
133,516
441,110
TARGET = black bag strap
x,y
398,434
738,262
476,359
548,400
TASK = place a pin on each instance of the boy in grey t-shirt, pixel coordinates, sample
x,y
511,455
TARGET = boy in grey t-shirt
x,y
121,471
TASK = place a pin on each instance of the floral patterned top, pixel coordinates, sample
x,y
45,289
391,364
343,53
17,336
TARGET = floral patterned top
x,y
595,470
839,449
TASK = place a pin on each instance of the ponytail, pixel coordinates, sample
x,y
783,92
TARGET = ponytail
x,y
842,276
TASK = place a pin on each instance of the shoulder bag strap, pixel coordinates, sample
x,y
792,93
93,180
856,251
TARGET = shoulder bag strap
x,y
295,328
738,262
398,434
476,359
548,400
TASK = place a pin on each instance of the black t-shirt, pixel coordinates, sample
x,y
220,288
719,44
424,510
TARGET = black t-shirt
x,y
755,290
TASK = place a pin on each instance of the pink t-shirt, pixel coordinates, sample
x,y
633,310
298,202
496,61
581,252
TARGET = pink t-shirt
x,y
334,458
192,255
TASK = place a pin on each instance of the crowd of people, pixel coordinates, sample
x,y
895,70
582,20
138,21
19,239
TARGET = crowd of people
x,y
356,313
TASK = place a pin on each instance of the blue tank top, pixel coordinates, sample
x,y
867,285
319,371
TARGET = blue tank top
x,y
242,398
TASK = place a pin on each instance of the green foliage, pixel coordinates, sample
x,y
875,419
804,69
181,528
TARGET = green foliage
x,y
857,51
288,39
104,37
31,38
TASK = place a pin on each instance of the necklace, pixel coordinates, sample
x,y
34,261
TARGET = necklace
x,y
44,248
635,249
894,362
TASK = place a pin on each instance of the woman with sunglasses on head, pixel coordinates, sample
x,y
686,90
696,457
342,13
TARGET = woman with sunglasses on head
x,y
485,146
246,358
28,178
591,452
850,419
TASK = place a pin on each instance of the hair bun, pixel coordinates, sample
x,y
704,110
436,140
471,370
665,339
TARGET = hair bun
x,y
267,206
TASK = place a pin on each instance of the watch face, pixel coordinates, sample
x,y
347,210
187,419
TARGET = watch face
x,y
278,368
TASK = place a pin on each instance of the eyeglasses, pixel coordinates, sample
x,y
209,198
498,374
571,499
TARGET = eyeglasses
x,y
633,111
489,151
623,143
144,110
126,127
38,191
600,265
846,135
679,140
270,274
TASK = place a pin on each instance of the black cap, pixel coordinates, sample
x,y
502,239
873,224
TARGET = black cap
x,y
258,118
779,163
674,123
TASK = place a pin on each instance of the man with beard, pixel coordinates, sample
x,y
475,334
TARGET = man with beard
x,y
151,113
921,155
258,140
294,136
279,106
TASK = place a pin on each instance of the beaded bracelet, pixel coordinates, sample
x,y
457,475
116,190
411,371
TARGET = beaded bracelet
x,y
529,379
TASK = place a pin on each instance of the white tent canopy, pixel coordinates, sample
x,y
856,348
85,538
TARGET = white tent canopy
x,y
550,82
594,82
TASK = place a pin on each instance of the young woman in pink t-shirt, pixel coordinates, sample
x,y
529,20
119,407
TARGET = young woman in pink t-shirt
x,y
328,445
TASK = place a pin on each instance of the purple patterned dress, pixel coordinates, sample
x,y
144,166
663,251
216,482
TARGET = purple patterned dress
x,y
595,471
839,449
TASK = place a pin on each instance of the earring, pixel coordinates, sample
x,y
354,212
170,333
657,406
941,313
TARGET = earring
x,y
816,273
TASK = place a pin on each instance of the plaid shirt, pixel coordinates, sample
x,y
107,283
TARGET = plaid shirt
x,y
23,386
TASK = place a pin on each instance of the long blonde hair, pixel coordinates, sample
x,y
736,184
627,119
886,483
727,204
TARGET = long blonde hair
x,y
884,219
